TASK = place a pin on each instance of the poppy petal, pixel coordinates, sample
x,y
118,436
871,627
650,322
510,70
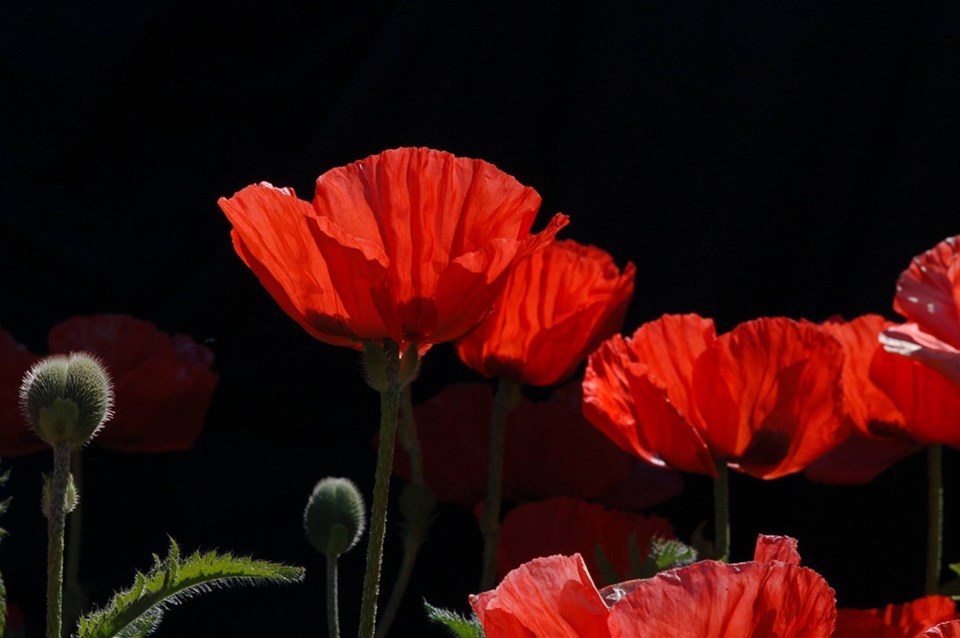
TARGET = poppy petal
x,y
949,629
929,289
552,596
710,599
770,396
776,548
908,340
906,620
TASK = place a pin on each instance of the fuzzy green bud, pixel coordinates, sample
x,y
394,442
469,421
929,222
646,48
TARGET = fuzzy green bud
x,y
66,398
72,496
335,516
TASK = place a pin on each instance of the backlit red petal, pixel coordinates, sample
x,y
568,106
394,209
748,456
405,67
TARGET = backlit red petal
x,y
949,629
907,620
770,396
928,291
776,548
552,596
908,340
710,599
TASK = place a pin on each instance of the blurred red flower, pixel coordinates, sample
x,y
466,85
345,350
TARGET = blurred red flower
x,y
550,450
950,629
769,596
557,306
163,384
908,620
572,526
411,245
764,398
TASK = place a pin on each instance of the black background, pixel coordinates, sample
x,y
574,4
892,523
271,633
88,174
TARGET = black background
x,y
752,159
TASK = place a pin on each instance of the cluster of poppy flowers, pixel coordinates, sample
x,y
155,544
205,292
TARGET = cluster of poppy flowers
x,y
415,247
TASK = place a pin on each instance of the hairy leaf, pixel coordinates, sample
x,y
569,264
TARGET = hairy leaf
x,y
136,612
457,624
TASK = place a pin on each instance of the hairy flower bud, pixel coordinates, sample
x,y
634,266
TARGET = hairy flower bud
x,y
335,516
66,398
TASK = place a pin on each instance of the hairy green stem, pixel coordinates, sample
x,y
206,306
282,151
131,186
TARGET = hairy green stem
x,y
389,406
414,531
74,596
333,606
934,518
721,512
508,393
56,518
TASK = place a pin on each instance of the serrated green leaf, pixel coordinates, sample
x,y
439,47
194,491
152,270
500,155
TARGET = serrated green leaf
x,y
458,625
136,612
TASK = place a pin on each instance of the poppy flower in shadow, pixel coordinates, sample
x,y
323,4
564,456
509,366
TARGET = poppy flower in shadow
x,y
163,384
557,306
551,450
769,596
879,432
764,398
907,620
411,245
572,526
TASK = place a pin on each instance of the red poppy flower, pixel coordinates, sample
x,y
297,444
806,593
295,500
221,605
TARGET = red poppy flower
x,y
878,437
765,398
769,596
411,245
571,526
908,340
908,620
928,291
556,308
550,450
162,384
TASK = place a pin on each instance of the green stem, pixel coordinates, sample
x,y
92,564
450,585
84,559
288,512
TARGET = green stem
x,y
333,608
934,518
414,530
389,405
508,393
721,512
74,596
56,518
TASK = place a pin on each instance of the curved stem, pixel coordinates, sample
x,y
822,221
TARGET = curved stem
x,y
333,608
411,549
389,405
721,512
508,392
934,518
56,517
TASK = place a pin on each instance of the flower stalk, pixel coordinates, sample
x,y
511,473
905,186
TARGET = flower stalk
x,y
56,512
505,399
721,512
934,518
383,369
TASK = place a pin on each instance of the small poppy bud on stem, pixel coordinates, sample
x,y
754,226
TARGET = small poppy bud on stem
x,y
65,400
334,521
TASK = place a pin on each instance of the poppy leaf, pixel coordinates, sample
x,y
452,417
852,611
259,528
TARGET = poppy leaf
x,y
458,625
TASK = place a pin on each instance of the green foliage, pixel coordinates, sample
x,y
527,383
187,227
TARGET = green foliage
x,y
136,612
458,625
663,554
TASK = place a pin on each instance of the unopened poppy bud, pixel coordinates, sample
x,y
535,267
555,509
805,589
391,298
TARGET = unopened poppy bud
x,y
66,398
46,504
335,516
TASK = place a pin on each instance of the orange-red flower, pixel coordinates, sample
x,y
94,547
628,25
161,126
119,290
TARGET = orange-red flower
x,y
411,245
558,305
764,398
769,596
550,450
571,526
162,383
909,620
928,291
